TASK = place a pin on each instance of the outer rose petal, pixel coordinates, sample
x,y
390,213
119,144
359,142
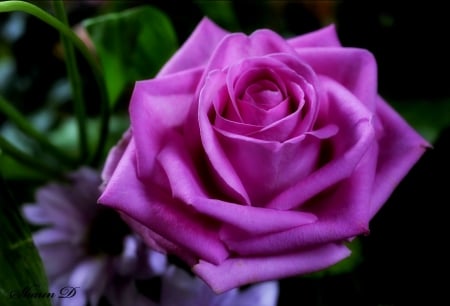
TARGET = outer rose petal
x,y
157,109
235,272
197,49
236,46
401,148
156,209
353,68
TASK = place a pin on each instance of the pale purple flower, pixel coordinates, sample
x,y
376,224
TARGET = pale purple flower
x,y
181,289
86,249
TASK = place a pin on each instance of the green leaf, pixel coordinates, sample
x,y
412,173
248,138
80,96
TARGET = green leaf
x,y
345,266
20,265
427,117
131,45
222,12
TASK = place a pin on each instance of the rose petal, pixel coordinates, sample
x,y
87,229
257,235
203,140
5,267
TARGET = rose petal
x,y
254,220
356,135
157,109
237,46
185,186
196,50
355,69
235,272
158,243
401,147
282,164
343,212
155,209
114,156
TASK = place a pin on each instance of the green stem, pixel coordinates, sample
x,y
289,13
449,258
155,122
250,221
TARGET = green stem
x,y
31,162
11,6
23,124
75,81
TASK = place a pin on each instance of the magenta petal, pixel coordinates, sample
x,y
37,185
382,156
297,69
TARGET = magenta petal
x,y
282,166
235,272
157,109
158,243
355,69
325,37
344,212
237,46
401,147
356,135
197,49
114,156
254,220
156,210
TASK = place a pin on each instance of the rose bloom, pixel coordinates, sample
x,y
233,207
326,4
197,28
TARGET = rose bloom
x,y
257,157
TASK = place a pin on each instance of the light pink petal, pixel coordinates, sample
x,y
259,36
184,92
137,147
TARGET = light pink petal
x,y
158,108
197,49
325,37
157,210
400,148
355,69
235,272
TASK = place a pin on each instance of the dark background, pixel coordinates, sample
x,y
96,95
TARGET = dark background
x,y
405,256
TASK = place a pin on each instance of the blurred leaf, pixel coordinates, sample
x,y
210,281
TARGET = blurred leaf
x,y
345,266
222,12
20,263
66,134
427,117
14,170
131,45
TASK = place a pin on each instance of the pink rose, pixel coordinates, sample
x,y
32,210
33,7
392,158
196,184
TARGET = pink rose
x,y
257,157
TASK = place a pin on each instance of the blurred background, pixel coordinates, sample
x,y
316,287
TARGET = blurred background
x,y
403,259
